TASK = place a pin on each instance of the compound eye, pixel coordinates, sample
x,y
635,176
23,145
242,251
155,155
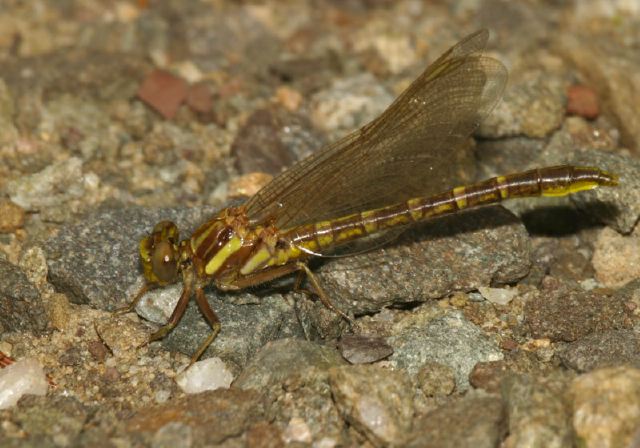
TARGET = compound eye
x,y
164,263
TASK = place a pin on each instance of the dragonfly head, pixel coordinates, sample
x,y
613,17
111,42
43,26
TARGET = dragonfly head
x,y
160,254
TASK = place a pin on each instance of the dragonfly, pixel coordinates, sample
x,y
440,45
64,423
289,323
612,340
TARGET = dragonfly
x,y
393,172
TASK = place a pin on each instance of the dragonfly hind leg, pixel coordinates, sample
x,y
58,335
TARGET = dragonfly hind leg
x,y
272,273
324,298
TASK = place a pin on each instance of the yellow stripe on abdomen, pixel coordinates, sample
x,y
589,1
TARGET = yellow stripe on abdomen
x,y
565,190
459,195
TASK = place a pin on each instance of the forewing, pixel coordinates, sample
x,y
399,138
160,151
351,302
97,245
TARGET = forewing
x,y
406,152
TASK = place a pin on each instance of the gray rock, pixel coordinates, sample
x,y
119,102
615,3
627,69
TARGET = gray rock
x,y
279,359
618,207
294,376
449,339
375,401
436,379
606,63
598,350
533,105
272,139
348,104
53,186
358,349
96,260
245,327
51,421
460,252
537,412
21,308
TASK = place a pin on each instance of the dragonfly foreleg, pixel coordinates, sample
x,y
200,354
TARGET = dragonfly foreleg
x,y
178,311
132,305
213,320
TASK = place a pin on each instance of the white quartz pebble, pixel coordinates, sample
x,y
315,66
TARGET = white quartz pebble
x,y
208,374
24,377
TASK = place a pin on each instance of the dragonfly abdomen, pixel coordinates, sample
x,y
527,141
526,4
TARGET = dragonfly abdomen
x,y
552,181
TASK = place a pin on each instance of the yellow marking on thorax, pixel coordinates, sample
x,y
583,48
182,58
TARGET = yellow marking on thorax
x,y
256,261
414,206
458,196
504,192
569,189
227,250
197,242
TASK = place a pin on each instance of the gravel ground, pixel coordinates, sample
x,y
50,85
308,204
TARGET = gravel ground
x,y
504,326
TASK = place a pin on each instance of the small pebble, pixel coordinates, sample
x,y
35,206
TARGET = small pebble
x,y
248,184
358,349
297,431
23,377
582,101
498,296
121,334
199,98
436,379
98,350
208,374
289,98
11,216
163,92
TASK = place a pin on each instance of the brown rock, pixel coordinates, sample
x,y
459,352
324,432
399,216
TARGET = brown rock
x,y
211,417
164,92
582,101
564,314
11,216
616,258
606,407
199,98
475,421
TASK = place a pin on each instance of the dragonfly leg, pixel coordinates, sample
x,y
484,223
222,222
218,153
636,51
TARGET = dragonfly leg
x,y
297,286
132,305
324,298
266,275
213,320
177,313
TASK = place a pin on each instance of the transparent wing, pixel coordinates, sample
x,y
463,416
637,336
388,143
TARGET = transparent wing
x,y
408,151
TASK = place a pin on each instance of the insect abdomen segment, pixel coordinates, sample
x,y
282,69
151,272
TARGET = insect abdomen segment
x,y
552,181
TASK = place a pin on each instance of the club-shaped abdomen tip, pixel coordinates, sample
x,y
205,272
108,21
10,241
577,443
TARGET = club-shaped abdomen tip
x,y
608,179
